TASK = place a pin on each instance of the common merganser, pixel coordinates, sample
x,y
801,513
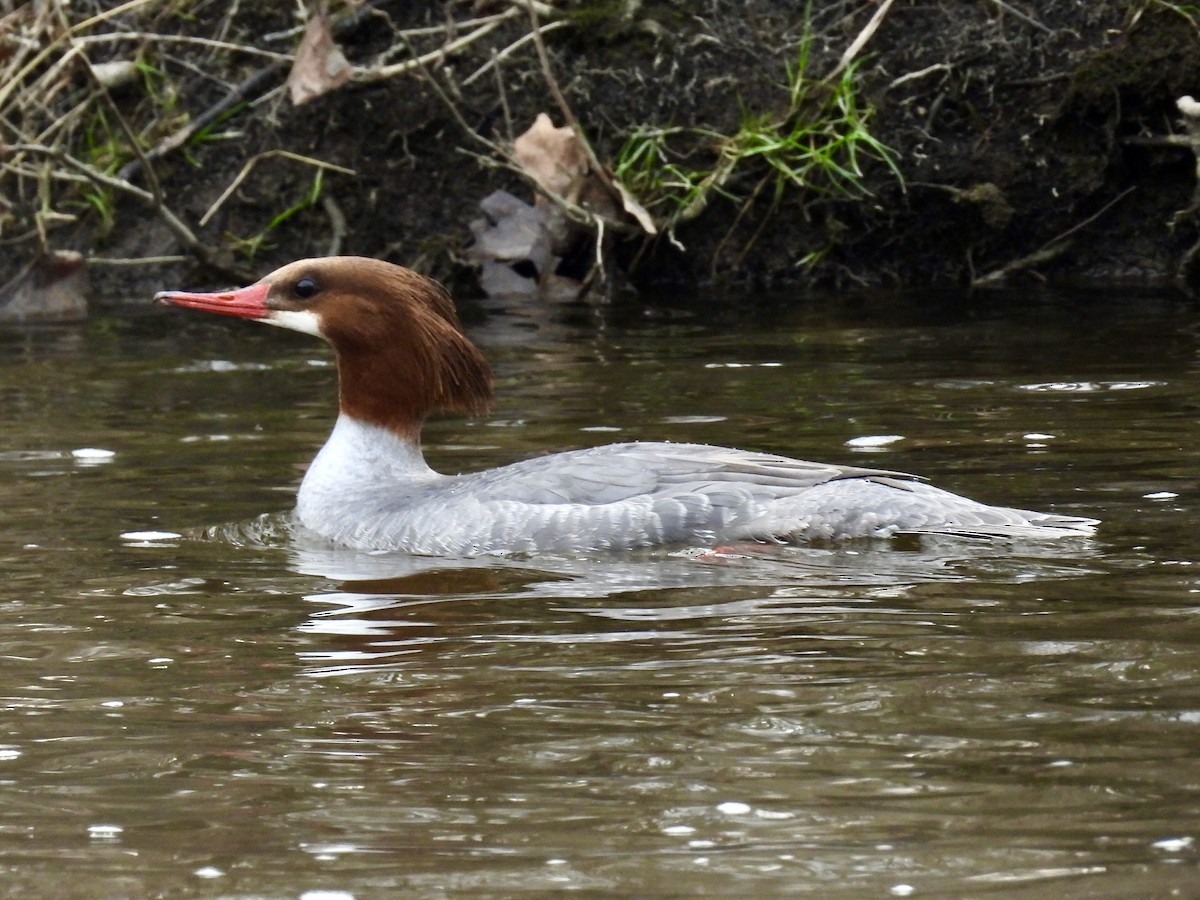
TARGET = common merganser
x,y
401,354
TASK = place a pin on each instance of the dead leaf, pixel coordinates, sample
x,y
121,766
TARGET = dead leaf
x,y
553,157
320,65
557,160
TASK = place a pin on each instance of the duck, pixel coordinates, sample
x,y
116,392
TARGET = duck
x,y
402,353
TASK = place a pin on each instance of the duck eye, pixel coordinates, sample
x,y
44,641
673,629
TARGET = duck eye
x,y
305,288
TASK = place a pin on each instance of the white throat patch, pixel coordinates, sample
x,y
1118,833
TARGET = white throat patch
x,y
302,320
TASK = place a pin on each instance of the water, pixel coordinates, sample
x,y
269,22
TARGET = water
x,y
239,716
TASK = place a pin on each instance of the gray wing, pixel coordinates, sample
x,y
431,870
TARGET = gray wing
x,y
629,495
617,472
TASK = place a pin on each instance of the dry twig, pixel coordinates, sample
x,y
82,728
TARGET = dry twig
x,y
182,233
255,160
1050,250
861,41
180,138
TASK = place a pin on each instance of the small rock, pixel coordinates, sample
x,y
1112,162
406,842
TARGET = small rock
x,y
52,288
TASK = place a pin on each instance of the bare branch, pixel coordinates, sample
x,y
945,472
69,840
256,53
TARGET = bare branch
x,y
182,233
1028,20
53,46
508,51
367,76
150,37
1050,250
255,160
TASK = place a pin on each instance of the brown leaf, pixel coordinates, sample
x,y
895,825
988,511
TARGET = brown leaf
x,y
553,157
557,160
320,65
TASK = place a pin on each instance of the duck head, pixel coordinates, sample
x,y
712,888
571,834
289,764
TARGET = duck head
x,y
400,348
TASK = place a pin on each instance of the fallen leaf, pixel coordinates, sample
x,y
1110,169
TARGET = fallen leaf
x,y
320,65
553,157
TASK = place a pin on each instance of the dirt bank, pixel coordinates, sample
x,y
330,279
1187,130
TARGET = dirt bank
x,y
1026,140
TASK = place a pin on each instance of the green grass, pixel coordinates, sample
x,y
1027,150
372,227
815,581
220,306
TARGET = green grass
x,y
105,151
818,144
1189,11
249,247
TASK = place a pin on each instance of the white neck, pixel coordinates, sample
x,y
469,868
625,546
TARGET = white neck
x,y
359,464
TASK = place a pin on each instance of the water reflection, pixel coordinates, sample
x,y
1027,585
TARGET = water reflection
x,y
383,606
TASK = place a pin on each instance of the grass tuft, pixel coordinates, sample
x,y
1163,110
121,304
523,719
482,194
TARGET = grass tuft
x,y
819,145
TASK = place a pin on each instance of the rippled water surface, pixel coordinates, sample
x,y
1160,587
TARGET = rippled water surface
x,y
237,715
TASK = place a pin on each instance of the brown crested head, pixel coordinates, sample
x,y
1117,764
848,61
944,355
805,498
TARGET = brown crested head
x,y
401,351
400,346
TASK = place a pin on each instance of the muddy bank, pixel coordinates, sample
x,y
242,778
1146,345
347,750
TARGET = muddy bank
x,y
1026,141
